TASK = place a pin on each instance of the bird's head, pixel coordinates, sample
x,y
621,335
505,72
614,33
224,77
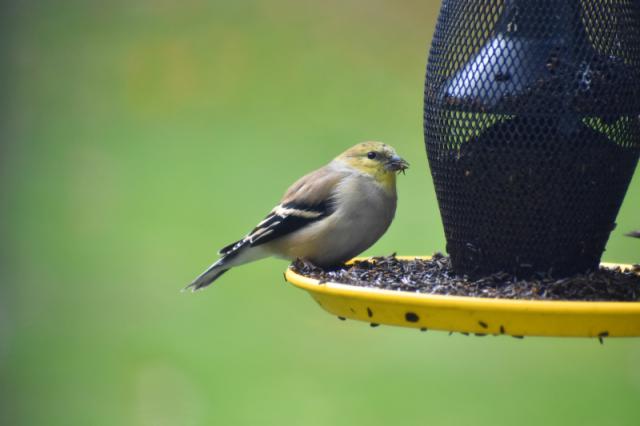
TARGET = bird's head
x,y
376,159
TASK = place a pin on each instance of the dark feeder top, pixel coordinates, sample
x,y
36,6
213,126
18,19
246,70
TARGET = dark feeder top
x,y
532,130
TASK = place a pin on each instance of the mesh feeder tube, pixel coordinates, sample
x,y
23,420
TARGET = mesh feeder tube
x,y
532,130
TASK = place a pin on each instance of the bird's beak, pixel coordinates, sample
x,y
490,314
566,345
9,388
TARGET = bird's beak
x,y
396,164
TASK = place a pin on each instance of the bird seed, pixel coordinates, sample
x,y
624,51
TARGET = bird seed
x,y
436,276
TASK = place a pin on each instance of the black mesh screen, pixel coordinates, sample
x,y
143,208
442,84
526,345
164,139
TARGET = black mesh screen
x,y
532,129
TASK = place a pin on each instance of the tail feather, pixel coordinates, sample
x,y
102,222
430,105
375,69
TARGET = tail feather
x,y
207,277
240,254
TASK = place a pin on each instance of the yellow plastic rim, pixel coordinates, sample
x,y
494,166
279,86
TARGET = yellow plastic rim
x,y
473,314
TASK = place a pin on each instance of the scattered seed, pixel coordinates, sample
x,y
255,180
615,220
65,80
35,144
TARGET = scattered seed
x,y
342,318
374,324
411,317
483,324
602,335
436,276
423,329
369,312
502,329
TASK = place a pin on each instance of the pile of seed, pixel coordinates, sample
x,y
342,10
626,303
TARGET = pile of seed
x,y
435,276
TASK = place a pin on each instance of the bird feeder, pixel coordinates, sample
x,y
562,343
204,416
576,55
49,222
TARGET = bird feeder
x,y
532,132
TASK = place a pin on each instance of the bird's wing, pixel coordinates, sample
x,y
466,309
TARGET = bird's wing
x,y
306,201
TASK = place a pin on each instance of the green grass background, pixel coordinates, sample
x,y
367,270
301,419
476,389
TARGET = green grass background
x,y
140,136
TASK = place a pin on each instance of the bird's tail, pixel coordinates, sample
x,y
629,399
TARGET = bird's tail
x,y
210,275
235,254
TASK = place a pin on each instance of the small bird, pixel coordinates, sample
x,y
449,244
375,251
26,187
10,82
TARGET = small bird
x,y
327,217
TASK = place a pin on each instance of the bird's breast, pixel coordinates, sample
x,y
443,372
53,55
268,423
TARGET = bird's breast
x,y
363,212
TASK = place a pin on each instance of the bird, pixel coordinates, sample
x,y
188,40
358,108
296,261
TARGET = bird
x,y
326,217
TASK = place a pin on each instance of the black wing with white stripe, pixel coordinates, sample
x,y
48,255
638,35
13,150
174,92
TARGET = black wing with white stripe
x,y
283,220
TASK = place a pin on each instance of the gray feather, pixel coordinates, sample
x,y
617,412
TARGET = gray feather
x,y
207,277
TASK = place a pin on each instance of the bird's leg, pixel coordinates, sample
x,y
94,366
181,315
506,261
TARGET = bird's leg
x,y
308,264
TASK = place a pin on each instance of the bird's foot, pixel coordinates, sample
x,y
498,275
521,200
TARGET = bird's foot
x,y
307,264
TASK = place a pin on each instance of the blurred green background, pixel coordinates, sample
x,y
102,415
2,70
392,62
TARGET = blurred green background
x,y
140,136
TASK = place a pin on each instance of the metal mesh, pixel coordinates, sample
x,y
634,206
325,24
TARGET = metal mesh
x,y
532,129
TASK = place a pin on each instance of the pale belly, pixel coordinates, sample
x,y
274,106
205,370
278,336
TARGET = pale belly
x,y
344,234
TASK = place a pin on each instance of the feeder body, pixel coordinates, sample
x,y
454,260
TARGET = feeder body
x,y
532,129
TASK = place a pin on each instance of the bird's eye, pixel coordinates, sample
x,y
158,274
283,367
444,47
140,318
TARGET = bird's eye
x,y
371,155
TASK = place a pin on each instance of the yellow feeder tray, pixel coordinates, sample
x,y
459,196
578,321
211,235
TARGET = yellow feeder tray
x,y
474,314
